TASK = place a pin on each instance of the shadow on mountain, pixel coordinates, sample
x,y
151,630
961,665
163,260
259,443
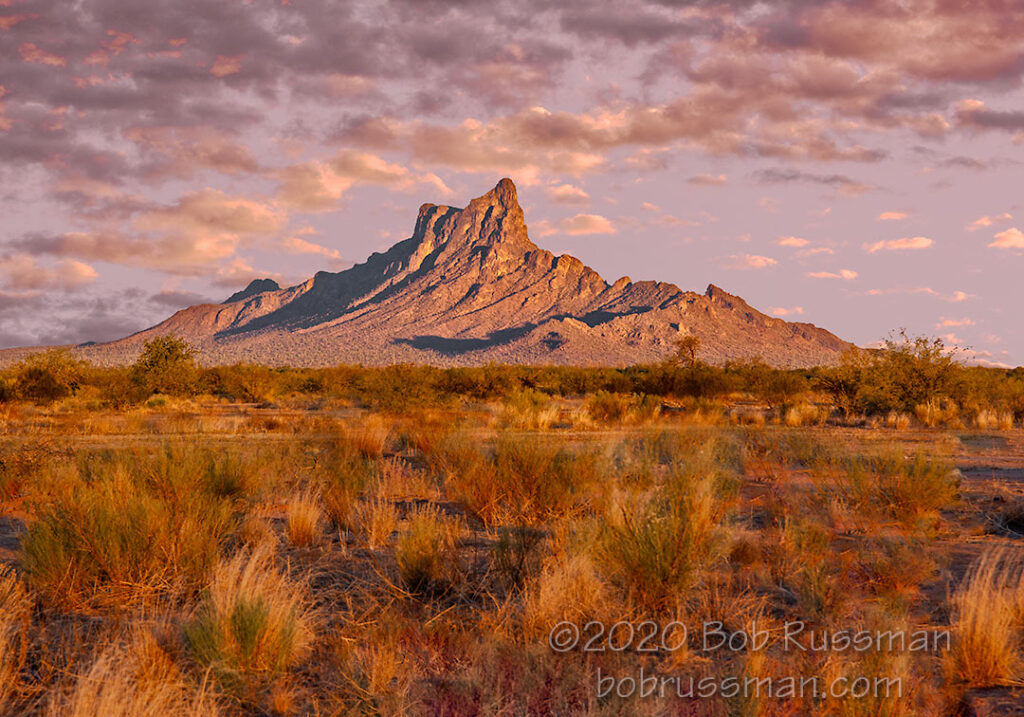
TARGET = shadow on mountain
x,y
454,347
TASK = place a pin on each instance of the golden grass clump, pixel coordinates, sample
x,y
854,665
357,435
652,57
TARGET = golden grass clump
x,y
376,519
987,622
804,414
569,587
303,519
14,620
137,679
899,421
252,625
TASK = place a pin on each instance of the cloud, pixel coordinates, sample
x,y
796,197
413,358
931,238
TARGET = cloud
x,y
224,66
30,52
630,27
956,297
22,272
892,216
847,274
987,221
178,299
791,241
749,261
844,186
1012,238
583,224
297,245
568,194
899,244
794,311
708,180
951,323
319,185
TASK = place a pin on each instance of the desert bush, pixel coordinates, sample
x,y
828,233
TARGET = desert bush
x,y
376,518
47,376
987,618
656,548
515,556
528,408
805,414
910,491
114,534
252,625
605,407
897,420
908,373
166,365
568,587
524,482
937,412
776,387
426,552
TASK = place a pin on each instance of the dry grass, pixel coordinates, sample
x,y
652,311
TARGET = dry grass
x,y
161,575
135,680
988,618
377,519
304,519
14,622
252,625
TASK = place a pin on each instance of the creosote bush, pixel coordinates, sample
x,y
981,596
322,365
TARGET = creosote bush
x,y
117,530
426,552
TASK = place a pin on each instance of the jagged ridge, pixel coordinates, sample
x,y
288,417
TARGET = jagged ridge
x,y
468,287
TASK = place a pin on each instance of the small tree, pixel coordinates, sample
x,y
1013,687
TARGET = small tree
x,y
687,349
166,365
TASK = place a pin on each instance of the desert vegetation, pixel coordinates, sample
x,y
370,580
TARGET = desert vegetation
x,y
180,539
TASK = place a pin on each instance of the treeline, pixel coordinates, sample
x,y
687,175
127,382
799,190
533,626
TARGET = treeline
x,y
910,375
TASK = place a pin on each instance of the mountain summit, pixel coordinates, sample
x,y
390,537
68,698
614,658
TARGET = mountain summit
x,y
469,287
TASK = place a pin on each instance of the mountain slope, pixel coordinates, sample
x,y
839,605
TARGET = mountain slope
x,y
469,287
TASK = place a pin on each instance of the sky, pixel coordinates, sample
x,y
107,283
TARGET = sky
x,y
855,164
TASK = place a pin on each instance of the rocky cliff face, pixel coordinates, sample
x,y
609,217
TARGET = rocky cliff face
x,y
469,287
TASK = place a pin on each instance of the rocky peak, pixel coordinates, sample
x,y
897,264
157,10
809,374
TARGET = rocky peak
x,y
495,219
256,286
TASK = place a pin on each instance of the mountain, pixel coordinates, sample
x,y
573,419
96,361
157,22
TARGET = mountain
x,y
469,287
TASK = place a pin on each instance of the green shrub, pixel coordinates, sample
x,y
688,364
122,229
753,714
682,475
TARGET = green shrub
x,y
48,376
119,532
605,407
166,365
657,548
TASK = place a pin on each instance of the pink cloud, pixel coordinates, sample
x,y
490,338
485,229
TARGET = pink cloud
x,y
892,216
903,243
24,273
583,224
987,221
30,52
1010,239
847,274
224,66
568,194
749,261
792,241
